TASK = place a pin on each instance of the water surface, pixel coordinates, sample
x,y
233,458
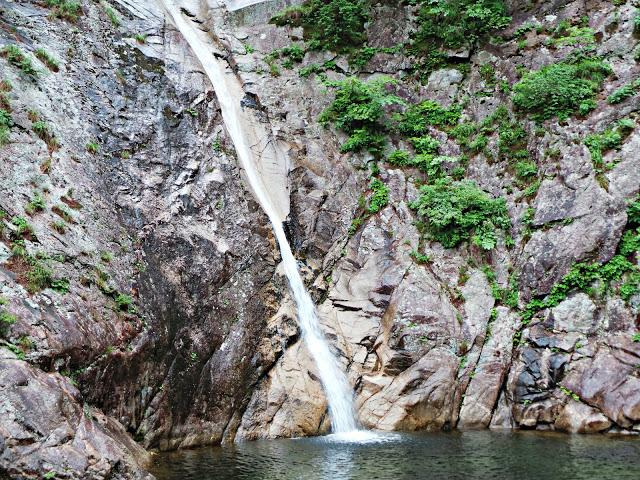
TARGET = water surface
x,y
469,455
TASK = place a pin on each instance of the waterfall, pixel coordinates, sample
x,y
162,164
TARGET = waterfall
x,y
238,123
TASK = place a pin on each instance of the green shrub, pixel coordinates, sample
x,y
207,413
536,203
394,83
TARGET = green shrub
x,y
426,145
19,59
399,158
526,169
358,110
124,302
417,118
336,25
612,138
141,37
64,9
379,197
456,23
6,320
23,228
36,204
624,92
111,13
583,275
567,34
455,212
561,89
6,122
93,147
46,58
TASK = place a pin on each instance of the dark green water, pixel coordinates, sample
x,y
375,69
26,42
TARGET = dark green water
x,y
470,455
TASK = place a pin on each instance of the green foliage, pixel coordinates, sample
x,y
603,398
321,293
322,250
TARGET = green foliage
x,y
399,158
379,197
141,37
19,59
46,58
426,145
291,54
105,256
23,228
512,137
505,296
456,23
41,128
124,302
636,337
624,92
36,204
64,9
526,169
358,110
111,13
455,212
583,275
417,118
6,122
561,89
356,223
59,226
336,25
420,258
6,319
93,147
569,393
611,138
568,34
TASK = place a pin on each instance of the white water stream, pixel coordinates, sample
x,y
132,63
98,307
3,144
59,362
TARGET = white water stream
x,y
244,132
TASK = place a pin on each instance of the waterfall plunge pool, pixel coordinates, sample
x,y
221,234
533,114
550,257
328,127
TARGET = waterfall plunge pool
x,y
478,455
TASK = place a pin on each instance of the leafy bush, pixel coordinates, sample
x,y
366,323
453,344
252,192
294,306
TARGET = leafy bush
x,y
124,302
624,92
526,169
455,212
36,204
6,122
93,147
358,110
583,275
426,145
336,25
64,9
611,138
379,197
113,16
456,23
19,59
46,58
6,320
415,120
561,89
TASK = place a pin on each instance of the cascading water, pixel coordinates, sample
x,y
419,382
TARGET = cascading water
x,y
229,93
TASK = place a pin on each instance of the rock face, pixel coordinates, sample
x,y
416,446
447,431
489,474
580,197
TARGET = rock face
x,y
166,318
